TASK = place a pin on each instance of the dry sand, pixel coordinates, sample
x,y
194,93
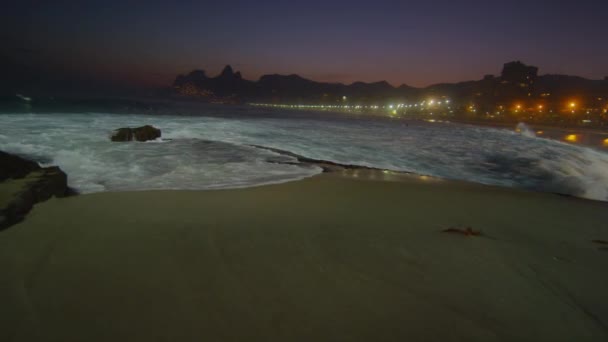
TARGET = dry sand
x,y
334,257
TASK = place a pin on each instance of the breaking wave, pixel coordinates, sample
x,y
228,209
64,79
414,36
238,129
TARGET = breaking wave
x,y
525,130
200,152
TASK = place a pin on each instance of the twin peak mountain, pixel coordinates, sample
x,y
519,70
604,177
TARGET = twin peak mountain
x,y
517,81
230,86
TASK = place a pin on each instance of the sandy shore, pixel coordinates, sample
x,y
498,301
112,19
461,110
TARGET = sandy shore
x,y
335,257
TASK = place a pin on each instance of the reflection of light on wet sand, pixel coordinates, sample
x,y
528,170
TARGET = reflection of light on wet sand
x,y
571,138
539,132
387,175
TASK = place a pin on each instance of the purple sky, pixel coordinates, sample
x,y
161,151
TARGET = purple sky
x,y
413,42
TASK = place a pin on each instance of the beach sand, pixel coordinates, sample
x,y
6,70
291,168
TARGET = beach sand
x,y
353,256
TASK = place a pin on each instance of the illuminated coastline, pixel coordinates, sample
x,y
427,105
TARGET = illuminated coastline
x,y
569,112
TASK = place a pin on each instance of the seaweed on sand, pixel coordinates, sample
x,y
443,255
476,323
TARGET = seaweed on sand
x,y
467,231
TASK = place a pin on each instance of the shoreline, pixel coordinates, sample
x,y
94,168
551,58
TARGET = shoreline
x,y
536,126
328,166
448,119
354,254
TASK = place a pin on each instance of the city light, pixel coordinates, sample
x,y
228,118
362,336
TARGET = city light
x,y
571,138
431,107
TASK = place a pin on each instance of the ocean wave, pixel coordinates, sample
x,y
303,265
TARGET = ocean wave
x,y
198,152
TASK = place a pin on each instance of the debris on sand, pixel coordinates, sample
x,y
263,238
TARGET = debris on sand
x,y
467,231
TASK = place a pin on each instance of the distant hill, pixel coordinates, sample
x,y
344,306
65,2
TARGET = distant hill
x,y
517,82
230,86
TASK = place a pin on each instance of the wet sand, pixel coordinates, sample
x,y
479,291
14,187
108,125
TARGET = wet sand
x,y
354,255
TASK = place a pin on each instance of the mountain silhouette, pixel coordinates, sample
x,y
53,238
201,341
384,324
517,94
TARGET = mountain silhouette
x,y
517,82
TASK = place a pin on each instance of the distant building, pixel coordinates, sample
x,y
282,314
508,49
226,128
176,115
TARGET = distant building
x,y
519,73
517,80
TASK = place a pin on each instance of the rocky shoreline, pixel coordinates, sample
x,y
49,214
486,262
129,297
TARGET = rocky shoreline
x,y
326,165
23,183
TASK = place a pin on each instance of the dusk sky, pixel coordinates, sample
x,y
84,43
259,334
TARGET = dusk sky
x,y
414,42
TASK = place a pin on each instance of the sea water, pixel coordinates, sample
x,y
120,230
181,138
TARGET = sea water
x,y
211,152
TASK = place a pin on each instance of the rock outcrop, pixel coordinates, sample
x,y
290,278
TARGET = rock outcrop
x,y
23,184
143,133
15,167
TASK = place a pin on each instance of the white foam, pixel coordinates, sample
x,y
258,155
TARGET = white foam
x,y
525,130
79,144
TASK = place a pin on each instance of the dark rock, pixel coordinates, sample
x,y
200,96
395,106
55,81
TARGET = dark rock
x,y
37,185
13,166
146,133
122,134
143,133
326,165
